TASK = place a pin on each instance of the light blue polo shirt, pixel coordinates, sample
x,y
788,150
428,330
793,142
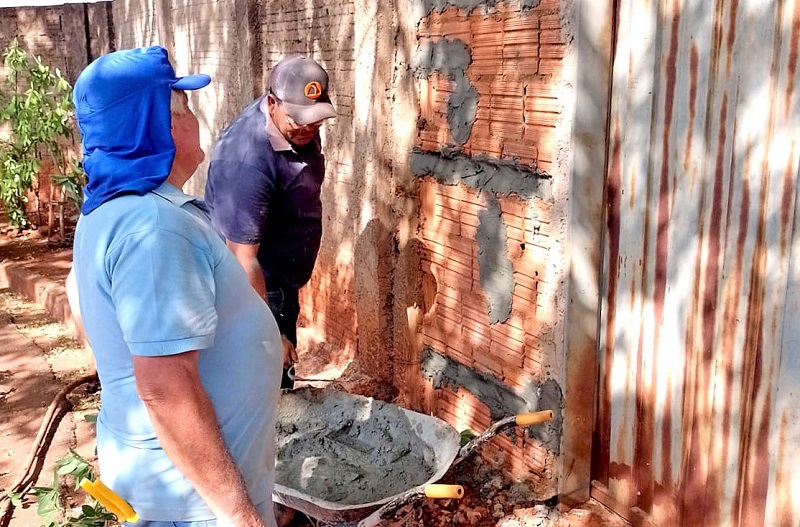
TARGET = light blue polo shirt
x,y
154,278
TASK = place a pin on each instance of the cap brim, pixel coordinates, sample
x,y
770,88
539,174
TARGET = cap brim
x,y
192,82
311,113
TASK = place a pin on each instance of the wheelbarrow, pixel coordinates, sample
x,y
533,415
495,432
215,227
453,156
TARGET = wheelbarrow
x,y
348,460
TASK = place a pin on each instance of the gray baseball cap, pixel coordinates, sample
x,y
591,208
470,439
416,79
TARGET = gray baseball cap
x,y
302,85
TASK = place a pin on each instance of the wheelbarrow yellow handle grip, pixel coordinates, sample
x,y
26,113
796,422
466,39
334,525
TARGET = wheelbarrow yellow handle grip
x,y
110,500
534,418
444,491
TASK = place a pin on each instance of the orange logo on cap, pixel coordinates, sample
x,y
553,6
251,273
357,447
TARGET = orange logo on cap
x,y
313,90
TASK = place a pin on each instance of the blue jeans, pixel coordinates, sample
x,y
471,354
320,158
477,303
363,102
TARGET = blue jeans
x,y
285,307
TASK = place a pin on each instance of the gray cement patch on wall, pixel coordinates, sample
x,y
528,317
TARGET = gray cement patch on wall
x,y
501,401
496,270
451,58
482,173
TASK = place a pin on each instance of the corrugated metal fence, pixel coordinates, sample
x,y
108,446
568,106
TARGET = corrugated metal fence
x,y
699,411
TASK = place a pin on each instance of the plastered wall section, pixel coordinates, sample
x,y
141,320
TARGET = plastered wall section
x,y
515,53
207,37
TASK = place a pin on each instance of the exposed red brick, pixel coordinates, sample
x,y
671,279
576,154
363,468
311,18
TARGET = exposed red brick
x,y
521,23
549,66
505,355
462,244
549,120
475,339
552,51
549,6
476,314
449,292
427,197
434,343
452,263
540,103
486,362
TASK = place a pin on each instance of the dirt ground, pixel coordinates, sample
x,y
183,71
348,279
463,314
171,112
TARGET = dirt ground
x,y
39,355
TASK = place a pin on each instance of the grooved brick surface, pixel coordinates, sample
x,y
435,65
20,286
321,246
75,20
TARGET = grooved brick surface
x,y
516,59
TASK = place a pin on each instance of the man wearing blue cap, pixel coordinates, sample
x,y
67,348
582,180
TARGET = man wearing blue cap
x,y
263,188
187,353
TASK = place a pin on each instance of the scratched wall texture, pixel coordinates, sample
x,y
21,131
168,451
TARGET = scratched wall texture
x,y
699,416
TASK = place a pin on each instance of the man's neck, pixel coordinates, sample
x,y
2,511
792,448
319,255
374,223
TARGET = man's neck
x,y
177,180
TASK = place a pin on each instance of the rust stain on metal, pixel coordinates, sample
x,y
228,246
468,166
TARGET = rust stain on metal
x,y
716,49
783,474
724,395
646,399
750,488
787,200
732,181
643,437
794,56
731,34
731,307
713,238
666,435
711,295
692,460
623,474
694,62
601,453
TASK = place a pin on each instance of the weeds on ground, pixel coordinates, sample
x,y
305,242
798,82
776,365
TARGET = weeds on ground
x,y
52,501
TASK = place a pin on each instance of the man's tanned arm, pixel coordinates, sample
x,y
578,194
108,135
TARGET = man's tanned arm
x,y
187,429
247,255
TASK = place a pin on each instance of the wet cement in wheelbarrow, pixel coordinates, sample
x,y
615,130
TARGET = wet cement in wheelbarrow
x,y
348,451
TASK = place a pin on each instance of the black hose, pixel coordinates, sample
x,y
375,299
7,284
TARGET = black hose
x,y
41,444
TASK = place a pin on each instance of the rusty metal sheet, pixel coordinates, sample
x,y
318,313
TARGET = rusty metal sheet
x,y
698,351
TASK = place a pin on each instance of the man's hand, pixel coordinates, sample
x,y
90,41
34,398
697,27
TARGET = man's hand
x,y
289,353
246,519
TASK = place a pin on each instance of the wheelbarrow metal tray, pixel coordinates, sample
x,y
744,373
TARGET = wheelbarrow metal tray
x,y
324,415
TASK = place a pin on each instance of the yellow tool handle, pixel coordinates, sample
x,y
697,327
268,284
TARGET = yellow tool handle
x,y
110,500
534,418
444,491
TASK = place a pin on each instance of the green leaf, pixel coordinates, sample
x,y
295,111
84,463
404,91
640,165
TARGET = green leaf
x,y
467,435
15,498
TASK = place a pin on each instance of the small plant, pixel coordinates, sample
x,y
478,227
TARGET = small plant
x,y
72,183
50,500
36,104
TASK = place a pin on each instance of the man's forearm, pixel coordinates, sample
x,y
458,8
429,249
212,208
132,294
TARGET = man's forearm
x,y
187,430
254,275
247,256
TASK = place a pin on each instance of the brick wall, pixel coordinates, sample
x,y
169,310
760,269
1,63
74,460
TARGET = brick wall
x,y
54,33
327,34
515,66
